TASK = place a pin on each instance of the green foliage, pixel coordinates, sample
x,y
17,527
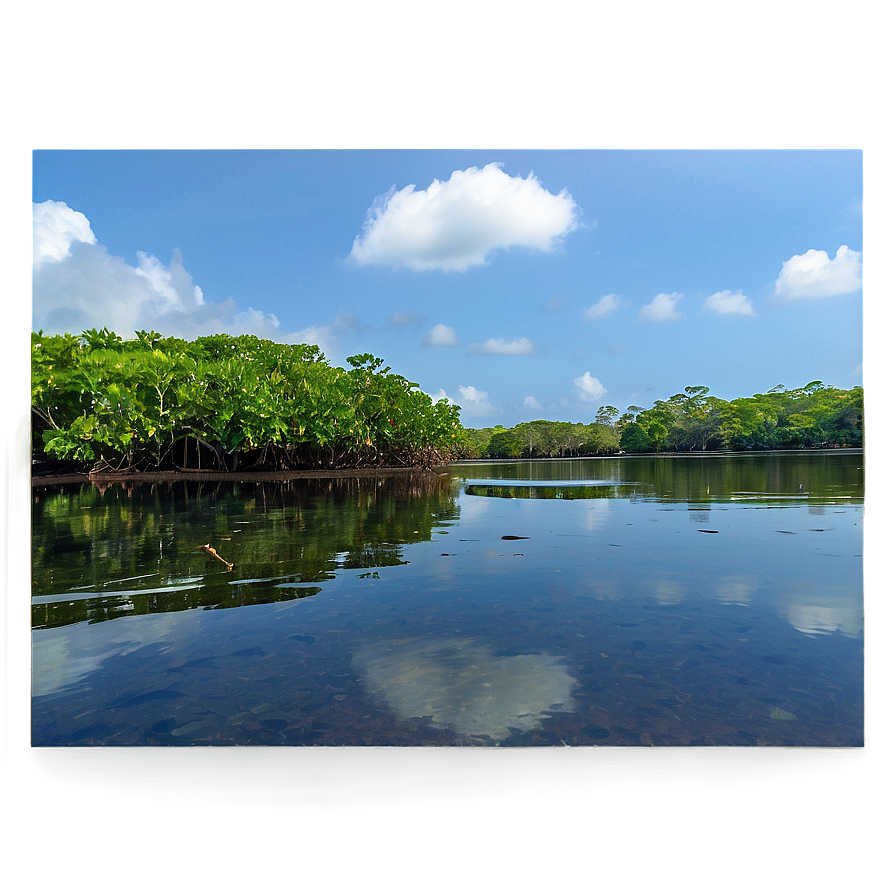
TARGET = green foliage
x,y
635,438
811,417
227,402
814,416
542,438
239,402
505,443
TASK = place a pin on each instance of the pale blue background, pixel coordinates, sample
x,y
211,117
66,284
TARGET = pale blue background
x,y
437,74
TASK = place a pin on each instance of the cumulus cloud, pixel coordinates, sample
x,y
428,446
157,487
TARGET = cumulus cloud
x,y
172,286
455,224
588,388
474,402
56,227
604,306
327,337
662,307
439,336
91,288
500,347
440,396
530,403
727,302
814,275
78,285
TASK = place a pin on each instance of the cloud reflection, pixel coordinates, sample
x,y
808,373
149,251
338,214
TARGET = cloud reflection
x,y
824,614
462,686
735,591
665,592
62,657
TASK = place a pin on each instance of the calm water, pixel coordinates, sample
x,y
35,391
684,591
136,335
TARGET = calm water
x,y
638,601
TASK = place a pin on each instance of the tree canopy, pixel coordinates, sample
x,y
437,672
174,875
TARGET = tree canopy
x,y
234,403
814,416
227,403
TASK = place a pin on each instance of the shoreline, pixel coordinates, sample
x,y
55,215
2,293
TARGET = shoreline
x,y
41,479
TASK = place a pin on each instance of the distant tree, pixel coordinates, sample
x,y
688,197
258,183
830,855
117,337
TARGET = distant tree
x,y
814,415
505,443
606,414
601,438
635,438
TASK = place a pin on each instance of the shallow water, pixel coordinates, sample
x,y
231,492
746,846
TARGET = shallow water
x,y
641,601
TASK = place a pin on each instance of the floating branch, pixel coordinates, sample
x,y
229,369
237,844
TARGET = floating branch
x,y
210,550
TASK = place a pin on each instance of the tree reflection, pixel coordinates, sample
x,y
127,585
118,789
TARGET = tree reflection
x,y
122,549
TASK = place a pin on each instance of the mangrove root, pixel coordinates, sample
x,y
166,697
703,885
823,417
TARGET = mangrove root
x,y
210,550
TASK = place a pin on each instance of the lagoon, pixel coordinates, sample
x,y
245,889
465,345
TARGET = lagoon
x,y
625,601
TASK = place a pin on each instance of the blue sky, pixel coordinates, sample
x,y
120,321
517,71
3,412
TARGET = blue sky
x,y
519,284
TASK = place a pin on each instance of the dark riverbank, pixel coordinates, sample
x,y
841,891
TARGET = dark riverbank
x,y
86,478
64,475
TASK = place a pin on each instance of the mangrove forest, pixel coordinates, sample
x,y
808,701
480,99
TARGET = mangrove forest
x,y
237,404
228,404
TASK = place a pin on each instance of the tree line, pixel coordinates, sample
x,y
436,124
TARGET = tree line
x,y
226,403
814,416
237,403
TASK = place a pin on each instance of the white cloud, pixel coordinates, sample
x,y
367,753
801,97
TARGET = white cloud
x,y
440,335
662,307
327,337
172,286
471,393
588,388
500,347
91,288
531,403
252,321
453,225
474,402
814,275
440,395
727,302
56,227
604,306
78,285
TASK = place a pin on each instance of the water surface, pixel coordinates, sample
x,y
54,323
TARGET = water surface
x,y
622,601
